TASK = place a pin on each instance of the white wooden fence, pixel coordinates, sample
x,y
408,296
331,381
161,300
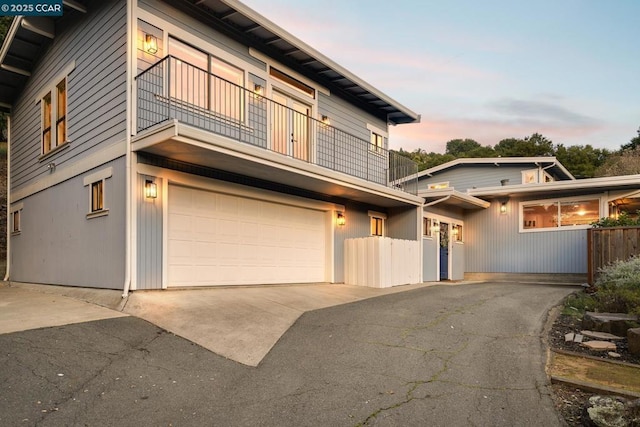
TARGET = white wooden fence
x,y
381,262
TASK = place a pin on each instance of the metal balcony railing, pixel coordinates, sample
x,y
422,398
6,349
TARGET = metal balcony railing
x,y
173,89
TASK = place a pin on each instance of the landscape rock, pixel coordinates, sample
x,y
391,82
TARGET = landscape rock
x,y
614,354
569,337
613,323
600,345
606,411
633,339
578,338
601,335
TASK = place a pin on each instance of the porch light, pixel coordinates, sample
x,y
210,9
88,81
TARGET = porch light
x,y
150,189
325,120
258,89
503,208
150,44
435,227
341,220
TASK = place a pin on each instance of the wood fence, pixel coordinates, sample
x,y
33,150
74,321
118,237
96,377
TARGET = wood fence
x,y
608,245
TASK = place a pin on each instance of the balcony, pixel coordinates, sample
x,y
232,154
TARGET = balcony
x,y
173,90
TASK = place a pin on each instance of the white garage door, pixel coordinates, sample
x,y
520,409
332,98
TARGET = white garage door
x,y
221,239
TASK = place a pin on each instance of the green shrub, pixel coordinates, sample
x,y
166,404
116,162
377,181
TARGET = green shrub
x,y
618,287
623,220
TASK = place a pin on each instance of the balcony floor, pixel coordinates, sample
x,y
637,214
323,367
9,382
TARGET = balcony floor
x,y
184,143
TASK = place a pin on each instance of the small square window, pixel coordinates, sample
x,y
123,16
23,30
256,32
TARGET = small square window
x,y
427,227
377,142
456,230
15,222
97,196
376,226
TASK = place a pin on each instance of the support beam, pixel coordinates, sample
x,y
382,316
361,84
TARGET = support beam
x,y
39,25
74,5
15,70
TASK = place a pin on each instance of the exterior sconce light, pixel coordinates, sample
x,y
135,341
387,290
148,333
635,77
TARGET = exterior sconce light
x,y
150,189
150,44
341,220
455,230
436,227
503,208
258,89
325,120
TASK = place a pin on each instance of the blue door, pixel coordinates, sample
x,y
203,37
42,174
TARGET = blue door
x,y
444,251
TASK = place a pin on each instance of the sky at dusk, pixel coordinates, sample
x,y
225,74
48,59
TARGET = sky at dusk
x,y
485,70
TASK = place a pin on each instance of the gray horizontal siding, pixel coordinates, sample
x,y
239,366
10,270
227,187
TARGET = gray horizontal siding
x,y
96,91
200,30
149,274
348,118
59,245
464,178
493,244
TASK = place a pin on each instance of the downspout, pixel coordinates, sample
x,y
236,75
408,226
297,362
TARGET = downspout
x,y
128,156
8,268
435,202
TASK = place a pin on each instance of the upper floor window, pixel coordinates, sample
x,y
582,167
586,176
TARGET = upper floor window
x,y
377,142
557,214
54,117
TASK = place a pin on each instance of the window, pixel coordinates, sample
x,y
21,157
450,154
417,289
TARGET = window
x,y
16,226
427,227
227,89
292,82
556,214
97,196
377,223
456,231
54,107
530,176
439,185
96,182
377,142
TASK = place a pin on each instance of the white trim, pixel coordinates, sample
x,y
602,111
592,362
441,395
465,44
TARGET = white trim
x,y
377,214
378,130
59,77
165,230
97,176
111,153
601,198
16,207
497,161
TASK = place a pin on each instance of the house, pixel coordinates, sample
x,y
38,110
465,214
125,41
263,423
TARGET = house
x,y
511,217
168,143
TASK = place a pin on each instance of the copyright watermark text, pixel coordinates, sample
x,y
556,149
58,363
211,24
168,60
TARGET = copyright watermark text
x,y
31,7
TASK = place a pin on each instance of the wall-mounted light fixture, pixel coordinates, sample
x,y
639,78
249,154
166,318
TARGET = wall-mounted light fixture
x,y
325,120
503,208
340,219
150,44
150,189
435,227
258,89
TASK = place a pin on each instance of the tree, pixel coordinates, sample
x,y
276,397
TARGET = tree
x,y
633,144
531,146
582,161
426,160
625,162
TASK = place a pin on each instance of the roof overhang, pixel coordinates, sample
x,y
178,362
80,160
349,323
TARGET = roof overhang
x,y
241,22
549,163
451,197
557,188
189,145
24,42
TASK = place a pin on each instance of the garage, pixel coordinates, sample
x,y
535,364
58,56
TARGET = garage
x,y
216,238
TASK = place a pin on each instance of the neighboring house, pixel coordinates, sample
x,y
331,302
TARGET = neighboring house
x,y
156,144
489,217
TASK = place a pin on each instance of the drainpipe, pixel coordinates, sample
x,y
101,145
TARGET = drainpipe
x,y
435,202
128,156
8,268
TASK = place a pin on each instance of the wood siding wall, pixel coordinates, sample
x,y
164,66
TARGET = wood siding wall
x,y
608,245
493,244
463,178
149,274
59,245
96,91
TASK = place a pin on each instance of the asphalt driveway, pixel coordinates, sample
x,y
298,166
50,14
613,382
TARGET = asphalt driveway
x,y
441,355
